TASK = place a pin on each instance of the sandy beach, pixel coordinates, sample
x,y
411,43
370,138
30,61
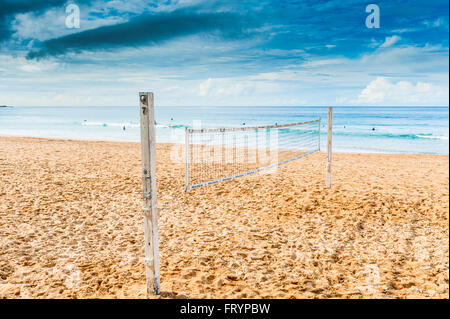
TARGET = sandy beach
x,y
71,226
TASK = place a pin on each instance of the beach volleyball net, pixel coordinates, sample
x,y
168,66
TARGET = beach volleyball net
x,y
217,155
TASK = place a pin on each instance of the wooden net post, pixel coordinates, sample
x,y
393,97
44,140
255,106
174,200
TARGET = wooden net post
x,y
187,157
329,146
150,209
320,121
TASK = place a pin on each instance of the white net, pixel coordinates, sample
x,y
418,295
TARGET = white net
x,y
216,155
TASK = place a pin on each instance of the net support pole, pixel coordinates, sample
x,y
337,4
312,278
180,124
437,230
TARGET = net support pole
x,y
329,146
186,152
319,136
150,209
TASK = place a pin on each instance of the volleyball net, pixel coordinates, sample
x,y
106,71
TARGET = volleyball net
x,y
217,155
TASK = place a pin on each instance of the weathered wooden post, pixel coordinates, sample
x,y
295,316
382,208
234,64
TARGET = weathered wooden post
x,y
187,157
150,209
319,133
329,146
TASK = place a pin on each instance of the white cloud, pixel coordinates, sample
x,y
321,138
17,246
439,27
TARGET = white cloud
x,y
210,80
322,62
384,91
390,41
205,86
12,66
439,22
220,88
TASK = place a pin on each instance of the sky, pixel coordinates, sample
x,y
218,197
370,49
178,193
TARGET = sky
x,y
224,53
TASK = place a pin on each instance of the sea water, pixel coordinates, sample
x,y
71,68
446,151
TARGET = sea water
x,y
355,129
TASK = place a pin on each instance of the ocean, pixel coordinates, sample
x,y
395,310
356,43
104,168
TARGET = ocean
x,y
355,129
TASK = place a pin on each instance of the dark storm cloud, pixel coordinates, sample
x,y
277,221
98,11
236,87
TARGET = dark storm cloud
x,y
145,29
11,7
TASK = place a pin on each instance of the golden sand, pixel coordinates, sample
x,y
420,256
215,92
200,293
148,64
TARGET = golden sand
x,y
71,226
